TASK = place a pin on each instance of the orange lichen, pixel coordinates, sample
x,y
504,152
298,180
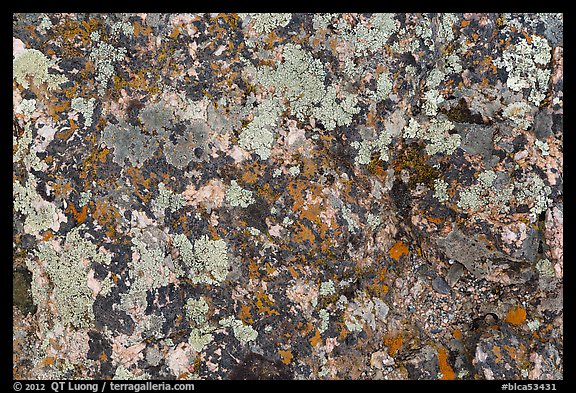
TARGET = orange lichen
x,y
445,369
394,343
397,250
303,234
286,356
316,339
263,303
245,315
516,316
78,216
457,334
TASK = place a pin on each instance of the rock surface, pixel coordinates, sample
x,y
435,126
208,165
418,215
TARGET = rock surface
x,y
288,196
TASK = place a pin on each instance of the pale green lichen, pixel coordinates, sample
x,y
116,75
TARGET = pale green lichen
x,y
244,333
26,107
327,288
347,216
128,143
294,170
440,190
45,24
412,129
266,22
524,63
367,147
324,320
258,136
439,139
383,87
546,268
206,262
533,325
85,107
31,63
299,79
373,36
517,112
543,147
122,27
237,196
373,220
167,199
536,192
122,373
84,198
69,276
147,271
104,56
200,335
333,112
39,214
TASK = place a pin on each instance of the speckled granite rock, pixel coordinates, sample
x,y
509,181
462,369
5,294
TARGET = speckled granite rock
x,y
288,196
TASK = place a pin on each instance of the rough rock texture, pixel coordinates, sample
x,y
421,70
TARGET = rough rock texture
x,y
288,196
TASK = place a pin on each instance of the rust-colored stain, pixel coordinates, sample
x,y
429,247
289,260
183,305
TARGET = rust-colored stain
x,y
516,316
397,250
286,356
445,368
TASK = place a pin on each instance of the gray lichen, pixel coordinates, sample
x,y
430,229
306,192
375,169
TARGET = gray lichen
x,y
129,143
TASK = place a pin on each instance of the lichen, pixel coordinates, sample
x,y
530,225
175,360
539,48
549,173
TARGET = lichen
x,y
85,107
147,271
266,22
39,214
237,196
26,107
517,112
294,170
167,199
440,190
69,276
200,335
206,261
104,56
31,63
524,62
546,268
244,333
543,147
324,320
327,288
350,221
84,198
258,136
129,143
535,192
124,374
